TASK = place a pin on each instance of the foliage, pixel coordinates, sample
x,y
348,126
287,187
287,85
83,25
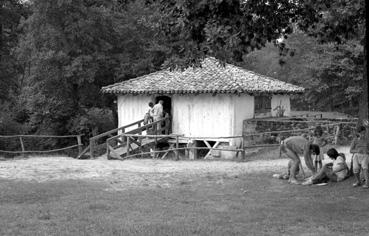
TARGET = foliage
x,y
11,12
8,126
94,121
331,74
67,49
232,29
341,22
226,29
333,21
71,56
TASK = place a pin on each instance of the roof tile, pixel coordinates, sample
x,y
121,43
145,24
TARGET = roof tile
x,y
211,77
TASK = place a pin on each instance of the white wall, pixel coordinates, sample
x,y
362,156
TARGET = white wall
x,y
243,109
132,108
202,115
285,99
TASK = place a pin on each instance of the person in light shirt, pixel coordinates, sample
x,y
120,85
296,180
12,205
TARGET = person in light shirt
x,y
158,111
360,149
335,171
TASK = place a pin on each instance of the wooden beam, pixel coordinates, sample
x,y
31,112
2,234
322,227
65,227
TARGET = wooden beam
x,y
79,142
114,154
92,147
177,146
210,148
192,150
128,145
83,152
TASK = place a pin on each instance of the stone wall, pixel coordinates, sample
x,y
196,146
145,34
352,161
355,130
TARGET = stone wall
x,y
296,126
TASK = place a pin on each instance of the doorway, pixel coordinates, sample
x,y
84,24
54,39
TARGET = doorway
x,y
167,109
167,106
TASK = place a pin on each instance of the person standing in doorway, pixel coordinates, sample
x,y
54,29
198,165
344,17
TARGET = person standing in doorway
x,y
158,110
158,114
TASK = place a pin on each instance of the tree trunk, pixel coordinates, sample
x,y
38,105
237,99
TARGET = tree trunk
x,y
76,98
364,100
1,36
363,103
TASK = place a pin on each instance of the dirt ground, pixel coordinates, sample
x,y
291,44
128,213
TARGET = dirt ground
x,y
65,196
129,173
135,172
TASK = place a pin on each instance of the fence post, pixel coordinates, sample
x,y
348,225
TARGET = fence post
x,y
79,142
243,149
177,146
140,147
22,146
107,150
337,134
192,150
92,147
139,126
127,146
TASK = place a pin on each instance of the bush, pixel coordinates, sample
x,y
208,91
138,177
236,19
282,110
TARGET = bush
x,y
9,127
93,122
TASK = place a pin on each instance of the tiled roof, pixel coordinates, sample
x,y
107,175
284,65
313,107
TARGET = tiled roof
x,y
211,77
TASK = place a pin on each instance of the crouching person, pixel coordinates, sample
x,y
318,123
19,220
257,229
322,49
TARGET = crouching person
x,y
292,148
359,147
335,171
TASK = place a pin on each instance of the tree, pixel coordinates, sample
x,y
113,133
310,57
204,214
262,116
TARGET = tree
x,y
330,73
227,29
11,12
340,22
230,29
73,48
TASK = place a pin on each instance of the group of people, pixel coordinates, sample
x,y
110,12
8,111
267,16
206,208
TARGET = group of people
x,y
312,149
154,112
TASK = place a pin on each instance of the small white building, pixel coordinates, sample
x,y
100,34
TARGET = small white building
x,y
207,101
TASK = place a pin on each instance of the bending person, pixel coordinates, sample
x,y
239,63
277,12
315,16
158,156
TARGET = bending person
x,y
335,171
295,146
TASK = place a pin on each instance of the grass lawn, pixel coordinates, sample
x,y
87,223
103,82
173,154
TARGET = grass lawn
x,y
245,204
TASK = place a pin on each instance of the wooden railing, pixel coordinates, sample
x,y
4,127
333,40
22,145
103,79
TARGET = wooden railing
x,y
128,138
94,140
140,127
23,150
307,115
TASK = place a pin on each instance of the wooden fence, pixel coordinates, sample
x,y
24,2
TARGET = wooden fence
x,y
333,132
307,115
23,151
127,139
